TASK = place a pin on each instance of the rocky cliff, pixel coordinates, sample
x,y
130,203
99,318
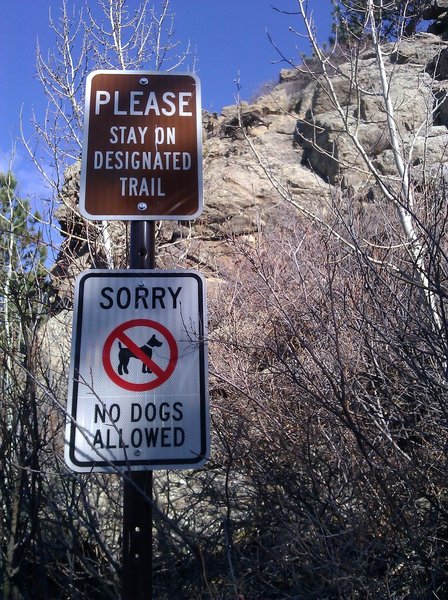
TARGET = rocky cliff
x,y
290,148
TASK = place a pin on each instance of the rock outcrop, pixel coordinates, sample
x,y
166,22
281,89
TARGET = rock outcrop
x,y
291,140
416,77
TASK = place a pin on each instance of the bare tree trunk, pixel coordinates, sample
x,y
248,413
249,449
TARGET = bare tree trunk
x,y
11,568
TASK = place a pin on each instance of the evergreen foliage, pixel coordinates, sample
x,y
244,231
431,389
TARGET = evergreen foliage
x,y
22,249
397,17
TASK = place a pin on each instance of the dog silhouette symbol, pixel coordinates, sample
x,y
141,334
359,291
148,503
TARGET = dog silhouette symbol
x,y
125,355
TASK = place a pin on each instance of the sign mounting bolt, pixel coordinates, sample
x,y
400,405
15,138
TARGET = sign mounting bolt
x,y
142,206
137,452
144,80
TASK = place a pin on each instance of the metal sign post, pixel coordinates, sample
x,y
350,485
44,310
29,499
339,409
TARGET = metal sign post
x,y
137,494
138,397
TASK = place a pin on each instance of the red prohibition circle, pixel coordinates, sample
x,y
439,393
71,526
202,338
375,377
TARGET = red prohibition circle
x,y
161,374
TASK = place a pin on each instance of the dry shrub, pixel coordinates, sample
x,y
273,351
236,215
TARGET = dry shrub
x,y
329,400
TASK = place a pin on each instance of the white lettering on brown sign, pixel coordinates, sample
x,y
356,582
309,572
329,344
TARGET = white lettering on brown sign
x,y
142,141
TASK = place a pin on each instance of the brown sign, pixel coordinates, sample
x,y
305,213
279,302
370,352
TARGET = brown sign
x,y
142,152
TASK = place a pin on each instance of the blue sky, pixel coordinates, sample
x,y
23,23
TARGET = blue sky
x,y
228,38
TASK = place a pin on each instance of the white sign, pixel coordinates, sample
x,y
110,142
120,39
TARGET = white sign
x,y
138,395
